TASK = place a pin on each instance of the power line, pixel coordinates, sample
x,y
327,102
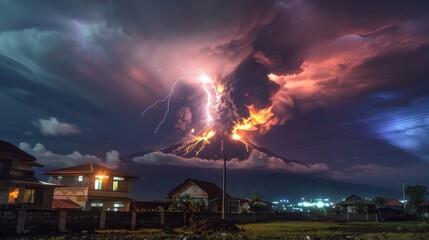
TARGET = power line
x,y
347,134
315,144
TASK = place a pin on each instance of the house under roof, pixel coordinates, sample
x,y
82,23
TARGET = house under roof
x,y
210,188
9,150
424,204
89,168
354,200
18,183
393,202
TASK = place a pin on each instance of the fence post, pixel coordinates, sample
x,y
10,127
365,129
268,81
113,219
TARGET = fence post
x,y
184,219
133,219
161,218
62,221
102,219
20,222
347,216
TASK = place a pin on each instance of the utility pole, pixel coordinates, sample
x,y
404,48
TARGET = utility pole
x,y
224,188
403,196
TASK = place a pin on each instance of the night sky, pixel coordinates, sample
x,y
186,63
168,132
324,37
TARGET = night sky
x,y
344,84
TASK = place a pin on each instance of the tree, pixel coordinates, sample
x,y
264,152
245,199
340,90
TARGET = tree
x,y
380,201
416,196
360,207
256,205
198,205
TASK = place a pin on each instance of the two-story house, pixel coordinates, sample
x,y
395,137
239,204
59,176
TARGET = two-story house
x,y
19,188
93,187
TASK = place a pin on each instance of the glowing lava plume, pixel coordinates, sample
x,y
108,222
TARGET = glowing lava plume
x,y
197,144
257,121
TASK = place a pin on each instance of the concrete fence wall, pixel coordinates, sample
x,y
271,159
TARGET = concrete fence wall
x,y
16,221
353,217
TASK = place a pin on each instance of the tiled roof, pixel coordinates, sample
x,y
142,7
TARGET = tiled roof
x,y
210,188
89,169
424,204
10,149
64,204
353,200
393,202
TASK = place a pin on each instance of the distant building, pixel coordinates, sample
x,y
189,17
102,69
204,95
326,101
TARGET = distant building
x,y
356,204
424,208
262,206
19,187
392,210
207,192
393,202
93,187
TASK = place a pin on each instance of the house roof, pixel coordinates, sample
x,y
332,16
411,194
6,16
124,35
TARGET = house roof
x,y
8,148
424,204
210,188
263,202
353,200
393,202
90,168
64,204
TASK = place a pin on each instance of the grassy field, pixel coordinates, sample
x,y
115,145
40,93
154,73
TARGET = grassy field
x,y
338,230
273,230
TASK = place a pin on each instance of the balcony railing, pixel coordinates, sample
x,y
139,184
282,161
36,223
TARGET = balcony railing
x,y
21,172
67,183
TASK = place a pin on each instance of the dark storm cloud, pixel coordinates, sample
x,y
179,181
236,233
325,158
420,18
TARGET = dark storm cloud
x,y
21,83
367,15
165,19
93,57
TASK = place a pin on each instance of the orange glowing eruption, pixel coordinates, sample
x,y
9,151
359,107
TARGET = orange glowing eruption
x,y
197,144
257,121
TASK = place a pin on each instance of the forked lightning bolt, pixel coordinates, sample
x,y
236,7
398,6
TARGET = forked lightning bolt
x,y
167,98
204,79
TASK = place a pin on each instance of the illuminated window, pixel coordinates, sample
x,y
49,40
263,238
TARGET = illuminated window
x,y
101,176
80,178
60,178
13,195
118,178
96,204
98,184
28,196
118,205
115,185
